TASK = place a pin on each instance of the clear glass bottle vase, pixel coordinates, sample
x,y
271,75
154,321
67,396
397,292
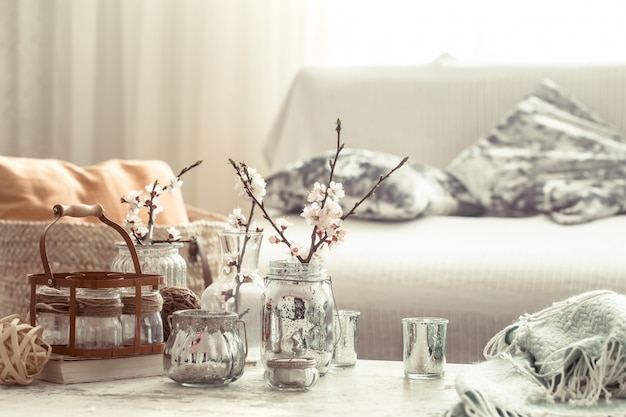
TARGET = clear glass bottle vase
x,y
297,316
159,258
238,287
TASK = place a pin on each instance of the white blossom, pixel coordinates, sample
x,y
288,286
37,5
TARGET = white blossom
x,y
311,213
273,239
336,191
257,184
231,258
140,232
136,198
318,193
298,249
250,184
237,220
283,223
156,207
174,183
133,220
173,233
154,189
149,198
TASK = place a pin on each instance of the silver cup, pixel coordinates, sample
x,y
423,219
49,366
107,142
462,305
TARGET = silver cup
x,y
424,347
346,329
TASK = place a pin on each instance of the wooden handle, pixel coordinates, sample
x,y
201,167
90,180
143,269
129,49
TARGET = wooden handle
x,y
82,210
78,210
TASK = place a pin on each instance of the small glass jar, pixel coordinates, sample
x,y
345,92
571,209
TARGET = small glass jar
x,y
295,374
205,348
98,323
151,322
52,308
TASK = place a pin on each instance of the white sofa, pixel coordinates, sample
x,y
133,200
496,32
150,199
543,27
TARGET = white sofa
x,y
479,272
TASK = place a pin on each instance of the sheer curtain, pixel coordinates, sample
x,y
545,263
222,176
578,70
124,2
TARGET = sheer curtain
x,y
89,80
180,80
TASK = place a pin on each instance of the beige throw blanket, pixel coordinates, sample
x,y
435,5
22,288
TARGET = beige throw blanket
x,y
566,360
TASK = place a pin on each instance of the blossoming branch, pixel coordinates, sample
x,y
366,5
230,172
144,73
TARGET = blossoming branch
x,y
323,210
149,198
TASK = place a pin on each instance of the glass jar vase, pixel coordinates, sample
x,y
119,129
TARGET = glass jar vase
x,y
159,258
239,286
205,348
297,316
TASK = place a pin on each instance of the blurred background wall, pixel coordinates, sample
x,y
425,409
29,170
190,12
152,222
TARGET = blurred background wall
x,y
89,80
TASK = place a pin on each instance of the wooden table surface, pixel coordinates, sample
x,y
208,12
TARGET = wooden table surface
x,y
371,388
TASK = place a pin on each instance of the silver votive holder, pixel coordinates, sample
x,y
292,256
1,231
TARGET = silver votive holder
x,y
346,332
291,374
424,347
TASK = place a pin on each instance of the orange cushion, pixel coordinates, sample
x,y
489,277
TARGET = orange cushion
x,y
31,187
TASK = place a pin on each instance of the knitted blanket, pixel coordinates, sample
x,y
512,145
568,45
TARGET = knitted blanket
x,y
566,360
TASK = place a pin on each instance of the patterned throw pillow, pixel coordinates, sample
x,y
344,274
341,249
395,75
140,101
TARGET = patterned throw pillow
x,y
412,191
550,154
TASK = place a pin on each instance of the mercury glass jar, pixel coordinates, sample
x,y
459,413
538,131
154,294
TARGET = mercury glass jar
x,y
159,258
205,348
151,322
239,286
298,308
98,323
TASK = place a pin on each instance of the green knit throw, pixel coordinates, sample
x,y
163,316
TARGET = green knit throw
x,y
566,360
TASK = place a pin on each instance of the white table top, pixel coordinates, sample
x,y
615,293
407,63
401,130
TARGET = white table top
x,y
371,388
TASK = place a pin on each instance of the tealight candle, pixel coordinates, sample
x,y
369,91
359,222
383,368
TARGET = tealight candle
x,y
293,374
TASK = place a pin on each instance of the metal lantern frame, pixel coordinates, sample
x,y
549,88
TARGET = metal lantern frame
x,y
94,280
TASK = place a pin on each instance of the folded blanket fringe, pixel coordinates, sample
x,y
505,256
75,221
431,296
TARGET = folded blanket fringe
x,y
476,405
574,374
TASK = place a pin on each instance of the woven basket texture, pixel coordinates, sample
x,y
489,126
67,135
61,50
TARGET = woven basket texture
x,y
73,246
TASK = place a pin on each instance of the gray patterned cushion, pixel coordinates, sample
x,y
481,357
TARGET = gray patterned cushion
x,y
550,155
412,191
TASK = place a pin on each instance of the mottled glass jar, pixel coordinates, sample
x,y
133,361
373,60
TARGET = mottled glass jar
x,y
298,306
159,258
239,286
205,348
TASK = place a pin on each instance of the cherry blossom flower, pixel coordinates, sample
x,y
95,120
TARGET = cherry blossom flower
x,y
336,191
323,210
283,223
275,239
252,185
149,198
237,220
174,184
318,193
173,233
230,259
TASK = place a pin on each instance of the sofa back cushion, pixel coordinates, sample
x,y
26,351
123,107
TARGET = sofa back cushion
x,y
31,187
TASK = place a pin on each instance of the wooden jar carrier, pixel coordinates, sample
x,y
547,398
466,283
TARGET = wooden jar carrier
x,y
93,280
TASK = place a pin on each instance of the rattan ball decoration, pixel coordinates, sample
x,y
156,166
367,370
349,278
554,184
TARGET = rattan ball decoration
x,y
23,352
175,299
